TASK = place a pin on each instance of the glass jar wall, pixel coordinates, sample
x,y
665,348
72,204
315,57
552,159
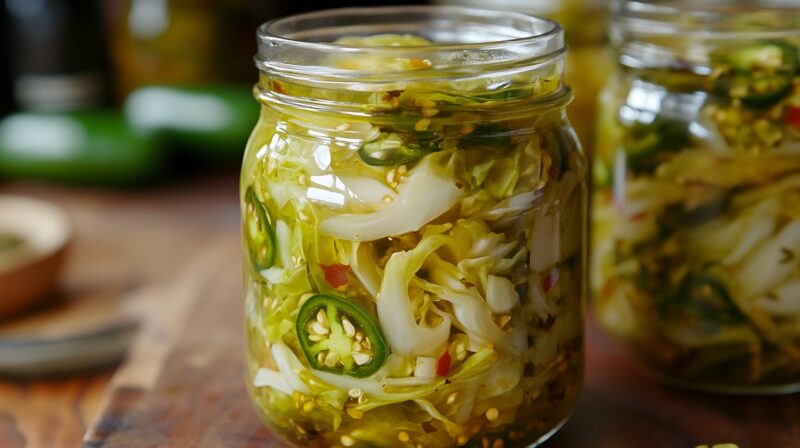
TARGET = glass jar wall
x,y
696,216
588,64
413,206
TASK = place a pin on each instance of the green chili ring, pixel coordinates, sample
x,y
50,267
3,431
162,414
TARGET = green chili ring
x,y
754,57
761,74
395,149
339,336
258,232
756,92
645,143
707,298
768,91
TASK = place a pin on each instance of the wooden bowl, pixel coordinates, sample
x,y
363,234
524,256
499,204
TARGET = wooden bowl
x,y
29,273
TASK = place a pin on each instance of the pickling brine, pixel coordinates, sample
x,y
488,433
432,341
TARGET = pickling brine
x,y
413,208
588,63
697,200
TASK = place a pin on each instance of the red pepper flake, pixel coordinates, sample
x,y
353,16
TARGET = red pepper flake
x,y
278,87
608,289
792,117
459,185
638,216
550,280
443,364
335,274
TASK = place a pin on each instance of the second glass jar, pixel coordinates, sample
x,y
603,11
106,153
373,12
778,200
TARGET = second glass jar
x,y
696,218
413,206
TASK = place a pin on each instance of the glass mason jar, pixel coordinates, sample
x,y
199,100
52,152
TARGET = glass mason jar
x,y
413,206
696,213
588,63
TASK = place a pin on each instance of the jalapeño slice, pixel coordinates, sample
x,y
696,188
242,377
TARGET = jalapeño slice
x,y
398,148
339,336
705,298
258,232
776,56
757,91
761,74
488,136
647,144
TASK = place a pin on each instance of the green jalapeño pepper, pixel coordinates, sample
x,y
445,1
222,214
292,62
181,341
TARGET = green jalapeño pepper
x,y
259,233
760,75
776,56
705,298
398,148
339,336
94,147
488,136
758,92
646,144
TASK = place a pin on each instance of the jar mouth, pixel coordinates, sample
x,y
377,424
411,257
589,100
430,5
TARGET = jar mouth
x,y
682,35
510,28
717,19
533,6
462,38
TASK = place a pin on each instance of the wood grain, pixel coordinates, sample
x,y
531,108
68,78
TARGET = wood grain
x,y
50,413
199,398
621,406
127,243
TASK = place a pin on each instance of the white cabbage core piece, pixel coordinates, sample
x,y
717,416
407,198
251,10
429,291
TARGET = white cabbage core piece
x,y
396,315
287,378
423,197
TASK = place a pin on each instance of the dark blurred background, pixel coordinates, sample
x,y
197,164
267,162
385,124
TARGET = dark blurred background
x,y
129,92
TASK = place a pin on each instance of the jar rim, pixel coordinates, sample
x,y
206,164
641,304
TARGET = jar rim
x,y
534,6
276,30
721,19
469,38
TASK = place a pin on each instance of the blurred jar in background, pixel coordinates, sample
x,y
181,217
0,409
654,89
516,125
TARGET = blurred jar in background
x,y
184,73
55,54
60,126
588,62
187,42
696,216
195,42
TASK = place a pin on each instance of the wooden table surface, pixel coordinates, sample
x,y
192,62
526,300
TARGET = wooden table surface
x,y
182,385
